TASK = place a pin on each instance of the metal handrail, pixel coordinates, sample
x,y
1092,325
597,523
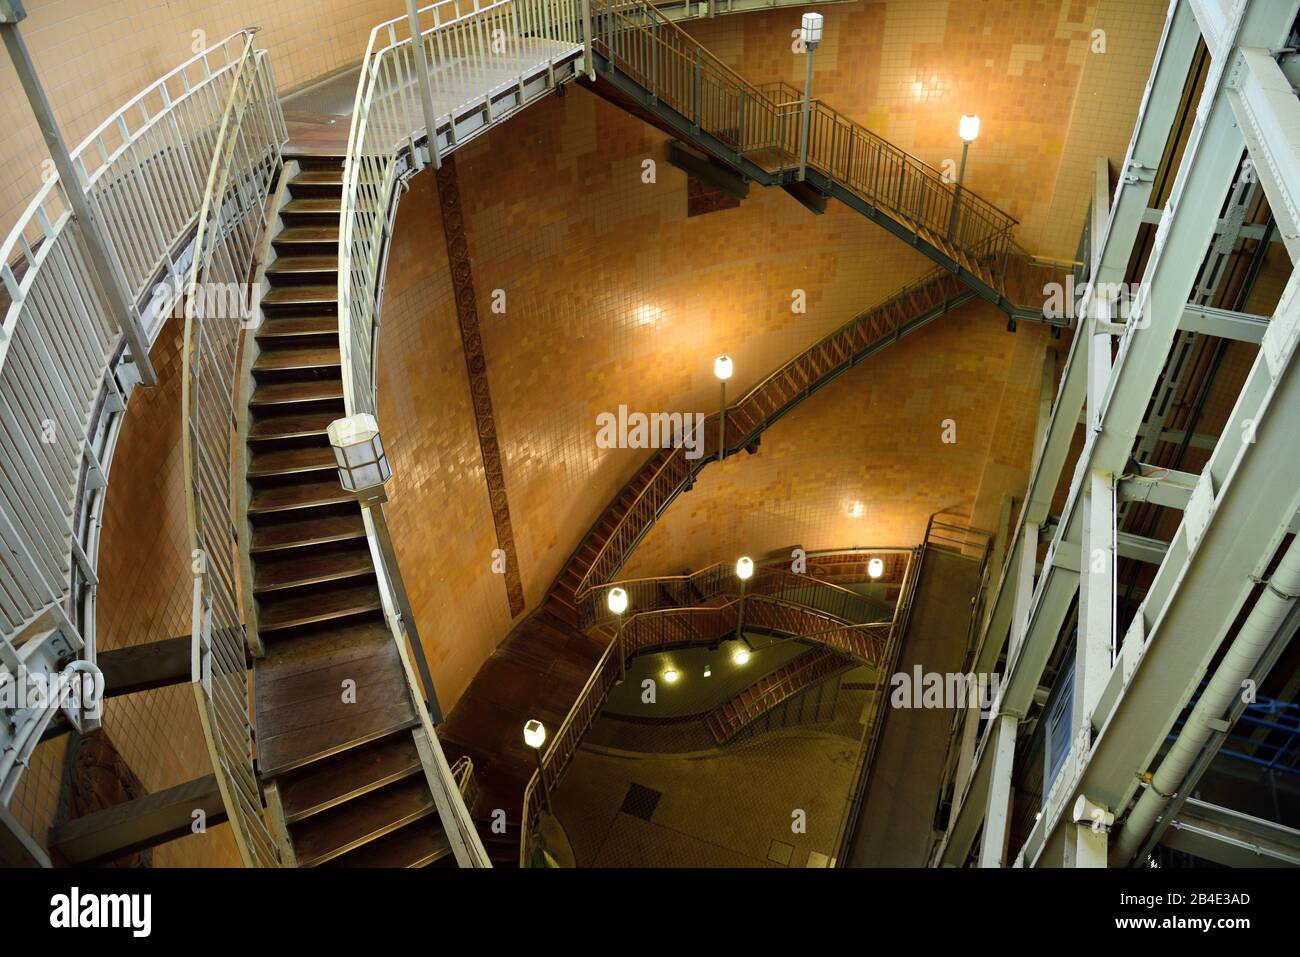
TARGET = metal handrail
x,y
389,136
755,410
142,173
876,726
719,580
472,48
768,119
657,630
247,162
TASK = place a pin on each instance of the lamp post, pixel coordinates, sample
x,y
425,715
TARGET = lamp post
x,y
363,470
722,369
617,600
968,128
535,737
744,571
810,31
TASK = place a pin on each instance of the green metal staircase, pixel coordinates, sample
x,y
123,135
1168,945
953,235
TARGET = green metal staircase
x,y
756,130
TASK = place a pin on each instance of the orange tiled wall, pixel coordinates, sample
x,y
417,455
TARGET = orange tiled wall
x,y
907,70
864,462
612,295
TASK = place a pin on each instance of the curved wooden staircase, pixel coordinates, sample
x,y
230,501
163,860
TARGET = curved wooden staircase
x,y
343,767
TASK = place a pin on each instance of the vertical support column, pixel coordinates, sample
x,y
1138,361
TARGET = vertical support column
x,y
589,64
994,842
110,279
426,88
1024,594
1094,648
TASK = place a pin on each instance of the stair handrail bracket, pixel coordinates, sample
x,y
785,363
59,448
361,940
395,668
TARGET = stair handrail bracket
x,y
67,370
247,163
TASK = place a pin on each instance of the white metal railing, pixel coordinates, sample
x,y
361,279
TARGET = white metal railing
x,y
142,173
65,374
246,164
484,61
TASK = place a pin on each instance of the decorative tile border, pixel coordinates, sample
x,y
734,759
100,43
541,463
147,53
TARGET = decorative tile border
x,y
462,279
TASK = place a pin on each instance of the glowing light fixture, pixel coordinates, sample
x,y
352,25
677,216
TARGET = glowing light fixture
x,y
359,453
534,733
671,675
875,567
741,656
617,600
968,128
745,569
722,367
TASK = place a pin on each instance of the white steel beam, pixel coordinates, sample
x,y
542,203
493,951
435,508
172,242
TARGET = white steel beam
x,y
1243,506
994,841
1224,323
1268,111
1168,488
1207,169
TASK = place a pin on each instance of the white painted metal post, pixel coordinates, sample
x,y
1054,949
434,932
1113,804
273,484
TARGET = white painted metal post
x,y
588,61
426,89
11,13
993,843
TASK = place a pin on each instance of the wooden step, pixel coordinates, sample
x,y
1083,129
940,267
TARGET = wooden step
x,y
328,783
296,266
275,327
315,205
281,393
309,531
300,714
279,610
291,461
307,235
319,176
415,845
283,498
298,567
341,829
291,425
306,294
297,357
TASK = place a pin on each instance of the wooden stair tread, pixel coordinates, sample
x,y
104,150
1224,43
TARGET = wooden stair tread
x,y
298,706
297,567
323,233
288,265
316,204
307,294
325,784
296,357
277,611
309,531
282,498
320,176
291,425
280,393
324,324
415,845
311,458
341,829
